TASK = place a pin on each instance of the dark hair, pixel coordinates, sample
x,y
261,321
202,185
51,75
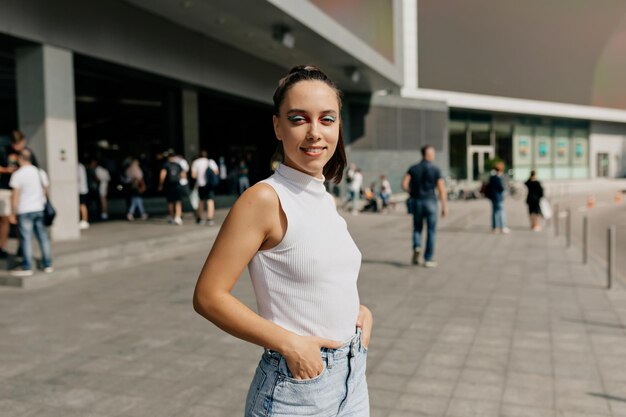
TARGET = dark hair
x,y
333,170
425,149
17,136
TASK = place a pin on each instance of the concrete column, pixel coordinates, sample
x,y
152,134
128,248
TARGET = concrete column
x,y
410,44
46,114
191,129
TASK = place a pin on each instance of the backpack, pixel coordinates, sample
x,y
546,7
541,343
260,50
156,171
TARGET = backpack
x,y
173,173
484,189
212,180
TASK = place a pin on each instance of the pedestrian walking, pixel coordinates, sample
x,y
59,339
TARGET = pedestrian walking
x,y
206,173
29,187
534,196
349,177
98,179
9,156
355,187
170,183
495,193
242,176
420,182
137,186
103,176
303,263
385,192
83,196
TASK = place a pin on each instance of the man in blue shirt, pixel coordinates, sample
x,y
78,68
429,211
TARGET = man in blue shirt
x,y
420,182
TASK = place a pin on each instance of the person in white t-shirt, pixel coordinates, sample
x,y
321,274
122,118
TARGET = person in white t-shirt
x,y
206,192
355,189
103,176
29,187
83,192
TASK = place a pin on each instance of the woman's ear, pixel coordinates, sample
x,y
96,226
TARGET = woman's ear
x,y
276,127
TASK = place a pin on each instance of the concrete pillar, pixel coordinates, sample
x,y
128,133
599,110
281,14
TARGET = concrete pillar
x,y
410,44
46,114
191,129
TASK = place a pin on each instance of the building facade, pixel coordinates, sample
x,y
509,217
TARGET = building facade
x,y
118,78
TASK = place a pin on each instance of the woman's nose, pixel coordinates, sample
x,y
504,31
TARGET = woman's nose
x,y
313,133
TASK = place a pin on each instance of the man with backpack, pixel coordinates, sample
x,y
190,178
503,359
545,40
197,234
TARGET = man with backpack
x,y
206,173
170,183
29,187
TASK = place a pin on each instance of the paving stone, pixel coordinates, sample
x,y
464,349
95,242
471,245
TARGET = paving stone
x,y
470,408
423,405
509,410
481,376
583,403
536,396
428,387
478,391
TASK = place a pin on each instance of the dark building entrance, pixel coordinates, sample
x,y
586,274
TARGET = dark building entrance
x,y
237,130
122,113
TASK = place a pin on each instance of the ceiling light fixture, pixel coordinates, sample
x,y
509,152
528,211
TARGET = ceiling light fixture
x,y
354,74
283,34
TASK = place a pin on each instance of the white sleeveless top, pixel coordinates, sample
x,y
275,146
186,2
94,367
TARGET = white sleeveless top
x,y
307,284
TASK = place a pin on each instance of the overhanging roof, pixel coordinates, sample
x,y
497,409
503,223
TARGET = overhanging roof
x,y
248,26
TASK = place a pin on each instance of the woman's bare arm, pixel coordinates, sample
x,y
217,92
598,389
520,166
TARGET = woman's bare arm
x,y
254,222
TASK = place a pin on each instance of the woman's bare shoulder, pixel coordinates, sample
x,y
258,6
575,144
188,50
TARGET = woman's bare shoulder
x,y
257,201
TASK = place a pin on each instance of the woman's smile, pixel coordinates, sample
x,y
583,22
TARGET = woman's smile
x,y
313,151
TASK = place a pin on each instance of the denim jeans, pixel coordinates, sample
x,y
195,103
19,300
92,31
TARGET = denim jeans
x,y
136,203
498,218
425,210
28,223
339,391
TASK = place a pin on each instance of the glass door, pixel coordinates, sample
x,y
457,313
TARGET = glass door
x,y
602,165
476,157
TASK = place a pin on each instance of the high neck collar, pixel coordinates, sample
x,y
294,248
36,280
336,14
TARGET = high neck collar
x,y
301,179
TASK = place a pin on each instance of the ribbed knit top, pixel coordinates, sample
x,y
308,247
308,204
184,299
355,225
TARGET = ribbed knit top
x,y
308,282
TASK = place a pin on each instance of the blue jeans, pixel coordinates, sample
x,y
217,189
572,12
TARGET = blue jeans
x,y
425,210
498,218
27,223
136,203
339,391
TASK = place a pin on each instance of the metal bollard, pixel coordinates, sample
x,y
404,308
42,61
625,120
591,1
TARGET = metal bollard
x,y
585,239
555,216
568,227
611,256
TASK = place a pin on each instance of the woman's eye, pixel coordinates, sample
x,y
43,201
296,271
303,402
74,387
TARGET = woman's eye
x,y
296,119
329,119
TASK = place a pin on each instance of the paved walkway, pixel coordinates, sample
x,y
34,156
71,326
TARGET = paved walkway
x,y
507,325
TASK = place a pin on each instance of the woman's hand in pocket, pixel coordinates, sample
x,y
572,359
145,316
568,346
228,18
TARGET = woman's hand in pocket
x,y
303,355
365,322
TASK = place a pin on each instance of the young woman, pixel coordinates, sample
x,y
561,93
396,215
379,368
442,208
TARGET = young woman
x,y
303,264
535,193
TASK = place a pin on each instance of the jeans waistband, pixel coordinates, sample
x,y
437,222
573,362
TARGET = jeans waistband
x,y
349,348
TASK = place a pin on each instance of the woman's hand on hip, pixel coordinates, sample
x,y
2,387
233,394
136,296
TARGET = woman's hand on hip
x,y
364,322
303,355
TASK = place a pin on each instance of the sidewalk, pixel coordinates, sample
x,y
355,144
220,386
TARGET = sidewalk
x,y
112,245
507,325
